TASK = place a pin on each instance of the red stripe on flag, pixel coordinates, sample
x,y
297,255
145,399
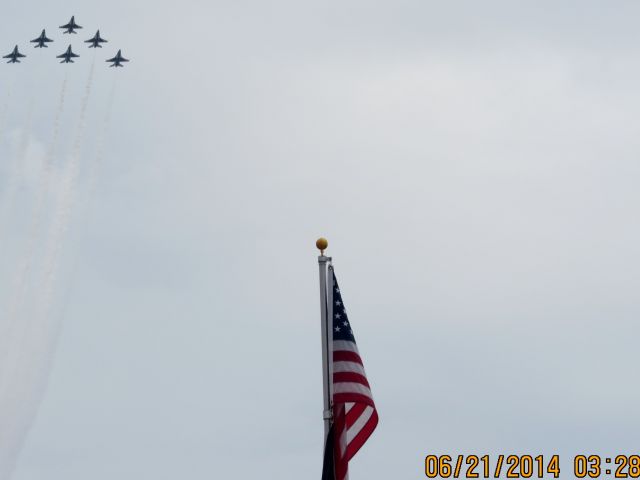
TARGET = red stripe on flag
x,y
351,377
340,446
353,398
345,356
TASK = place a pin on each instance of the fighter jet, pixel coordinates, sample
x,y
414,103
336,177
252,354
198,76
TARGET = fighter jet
x,y
68,56
41,41
71,26
14,56
117,60
96,41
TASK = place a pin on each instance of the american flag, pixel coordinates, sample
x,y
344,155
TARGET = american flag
x,y
354,413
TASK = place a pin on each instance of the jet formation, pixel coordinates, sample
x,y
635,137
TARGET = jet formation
x,y
67,57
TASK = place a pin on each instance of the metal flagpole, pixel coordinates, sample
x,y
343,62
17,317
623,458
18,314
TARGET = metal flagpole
x,y
325,309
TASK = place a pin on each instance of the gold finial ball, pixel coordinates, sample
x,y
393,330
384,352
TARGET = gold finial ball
x,y
322,244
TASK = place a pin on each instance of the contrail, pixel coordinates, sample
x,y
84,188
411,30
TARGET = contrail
x,y
106,123
101,143
24,268
16,169
4,113
65,207
29,375
62,218
91,181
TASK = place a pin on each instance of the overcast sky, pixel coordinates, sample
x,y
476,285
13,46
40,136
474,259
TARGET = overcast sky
x,y
474,166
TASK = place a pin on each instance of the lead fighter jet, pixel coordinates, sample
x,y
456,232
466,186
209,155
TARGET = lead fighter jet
x,y
96,41
71,26
117,60
41,41
68,56
14,56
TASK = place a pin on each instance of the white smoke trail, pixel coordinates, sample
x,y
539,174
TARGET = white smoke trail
x,y
66,203
101,146
94,167
4,113
92,180
106,123
9,325
92,175
15,174
28,376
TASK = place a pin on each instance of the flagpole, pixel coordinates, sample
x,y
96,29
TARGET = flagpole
x,y
325,309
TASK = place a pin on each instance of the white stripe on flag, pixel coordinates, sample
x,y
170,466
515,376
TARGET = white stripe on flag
x,y
345,345
348,367
351,387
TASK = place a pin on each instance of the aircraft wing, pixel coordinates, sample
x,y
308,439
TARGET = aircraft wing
x,y
19,55
64,55
73,55
114,59
68,25
8,56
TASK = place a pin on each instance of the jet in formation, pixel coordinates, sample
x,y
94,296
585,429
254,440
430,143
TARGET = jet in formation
x,y
68,56
71,26
117,60
14,56
41,41
96,41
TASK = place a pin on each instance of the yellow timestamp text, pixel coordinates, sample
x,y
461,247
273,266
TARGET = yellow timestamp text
x,y
507,466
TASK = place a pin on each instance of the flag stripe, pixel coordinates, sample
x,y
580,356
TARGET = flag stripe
x,y
345,345
349,367
343,356
351,388
353,397
350,377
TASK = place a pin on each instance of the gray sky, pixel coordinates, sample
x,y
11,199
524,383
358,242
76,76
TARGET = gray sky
x,y
474,166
